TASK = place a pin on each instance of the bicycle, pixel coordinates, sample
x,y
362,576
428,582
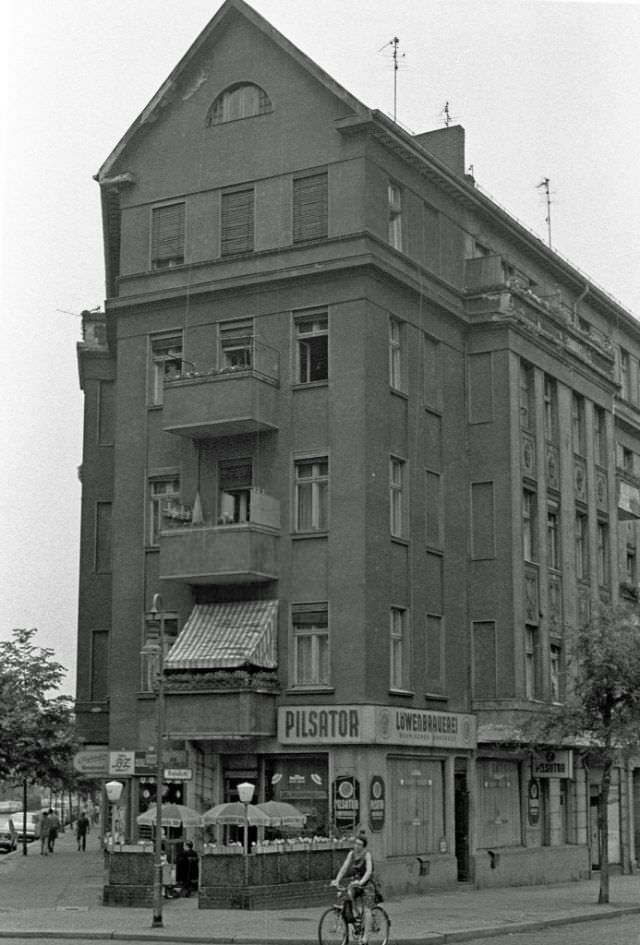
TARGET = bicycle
x,y
337,924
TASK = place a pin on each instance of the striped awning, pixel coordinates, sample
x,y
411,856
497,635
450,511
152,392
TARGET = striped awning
x,y
227,635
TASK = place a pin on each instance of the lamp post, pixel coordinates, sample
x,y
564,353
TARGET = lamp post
x,y
157,615
114,791
245,793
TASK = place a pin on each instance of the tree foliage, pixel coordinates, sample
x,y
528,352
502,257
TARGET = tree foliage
x,y
36,726
601,715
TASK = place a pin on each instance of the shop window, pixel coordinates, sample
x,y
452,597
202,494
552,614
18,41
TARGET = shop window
x,y
301,780
416,808
498,821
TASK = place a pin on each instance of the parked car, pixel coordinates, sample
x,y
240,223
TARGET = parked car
x,y
32,826
8,836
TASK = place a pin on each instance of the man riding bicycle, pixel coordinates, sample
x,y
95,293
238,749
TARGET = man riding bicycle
x,y
357,871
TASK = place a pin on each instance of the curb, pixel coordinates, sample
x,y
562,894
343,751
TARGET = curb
x,y
430,938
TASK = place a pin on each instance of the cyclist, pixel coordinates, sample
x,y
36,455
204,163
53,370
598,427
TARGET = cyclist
x,y
357,871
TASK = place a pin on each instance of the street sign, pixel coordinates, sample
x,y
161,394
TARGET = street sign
x,y
178,774
92,763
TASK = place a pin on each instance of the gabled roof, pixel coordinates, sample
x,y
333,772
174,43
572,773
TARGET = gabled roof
x,y
229,9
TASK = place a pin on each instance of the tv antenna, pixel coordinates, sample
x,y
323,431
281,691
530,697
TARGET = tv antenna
x,y
447,117
545,185
64,311
396,55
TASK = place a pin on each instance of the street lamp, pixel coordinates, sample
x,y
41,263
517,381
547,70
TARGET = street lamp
x,y
114,791
157,615
245,793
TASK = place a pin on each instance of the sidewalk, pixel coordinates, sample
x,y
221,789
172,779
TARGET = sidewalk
x,y
60,895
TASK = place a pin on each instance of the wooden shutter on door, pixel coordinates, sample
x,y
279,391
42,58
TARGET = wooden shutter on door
x,y
237,222
310,207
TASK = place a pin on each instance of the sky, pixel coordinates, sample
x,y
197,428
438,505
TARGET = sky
x,y
544,89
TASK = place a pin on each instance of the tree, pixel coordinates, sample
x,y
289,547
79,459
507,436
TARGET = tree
x,y
602,709
36,726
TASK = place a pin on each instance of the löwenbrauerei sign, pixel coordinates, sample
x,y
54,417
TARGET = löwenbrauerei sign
x,y
382,725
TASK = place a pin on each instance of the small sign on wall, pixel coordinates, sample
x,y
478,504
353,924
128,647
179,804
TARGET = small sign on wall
x,y
376,803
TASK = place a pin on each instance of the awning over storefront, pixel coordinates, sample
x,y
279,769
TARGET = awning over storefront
x,y
229,635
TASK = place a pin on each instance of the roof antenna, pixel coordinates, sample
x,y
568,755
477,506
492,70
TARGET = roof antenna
x,y
447,116
544,183
395,42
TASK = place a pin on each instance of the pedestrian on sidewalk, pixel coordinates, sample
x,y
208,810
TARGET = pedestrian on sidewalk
x,y
82,829
44,833
54,827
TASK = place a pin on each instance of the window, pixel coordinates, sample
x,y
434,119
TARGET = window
x,y
603,553
103,538
555,672
398,648
630,564
529,524
395,354
237,225
239,101
166,362
167,240
434,509
577,423
498,817
553,536
625,386
396,496
394,197
530,662
311,494
627,460
550,409
236,345
312,336
527,411
599,436
311,645
582,548
161,627
235,479
310,207
164,496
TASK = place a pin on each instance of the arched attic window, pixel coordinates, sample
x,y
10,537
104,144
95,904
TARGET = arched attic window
x,y
239,101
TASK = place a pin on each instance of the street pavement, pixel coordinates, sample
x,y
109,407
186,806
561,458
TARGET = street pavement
x,y
58,896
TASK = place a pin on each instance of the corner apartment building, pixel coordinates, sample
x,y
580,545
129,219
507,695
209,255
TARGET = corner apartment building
x,y
375,446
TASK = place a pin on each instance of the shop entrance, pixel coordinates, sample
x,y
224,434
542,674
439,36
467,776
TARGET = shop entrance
x,y
461,810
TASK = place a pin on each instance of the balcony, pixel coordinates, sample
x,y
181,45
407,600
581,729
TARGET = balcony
x,y
198,712
240,397
233,553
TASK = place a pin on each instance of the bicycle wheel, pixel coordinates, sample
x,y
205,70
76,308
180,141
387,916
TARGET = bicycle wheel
x,y
332,929
380,926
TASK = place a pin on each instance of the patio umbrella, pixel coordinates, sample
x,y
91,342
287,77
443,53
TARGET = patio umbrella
x,y
173,815
234,813
282,814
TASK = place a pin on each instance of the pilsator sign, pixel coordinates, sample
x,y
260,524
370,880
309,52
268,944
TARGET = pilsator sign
x,y
346,803
374,724
553,764
376,803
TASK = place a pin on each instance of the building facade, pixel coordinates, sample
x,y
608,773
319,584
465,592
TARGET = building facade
x,y
359,449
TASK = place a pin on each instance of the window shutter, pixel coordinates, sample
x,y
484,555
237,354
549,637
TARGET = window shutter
x,y
168,233
237,222
236,475
310,207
